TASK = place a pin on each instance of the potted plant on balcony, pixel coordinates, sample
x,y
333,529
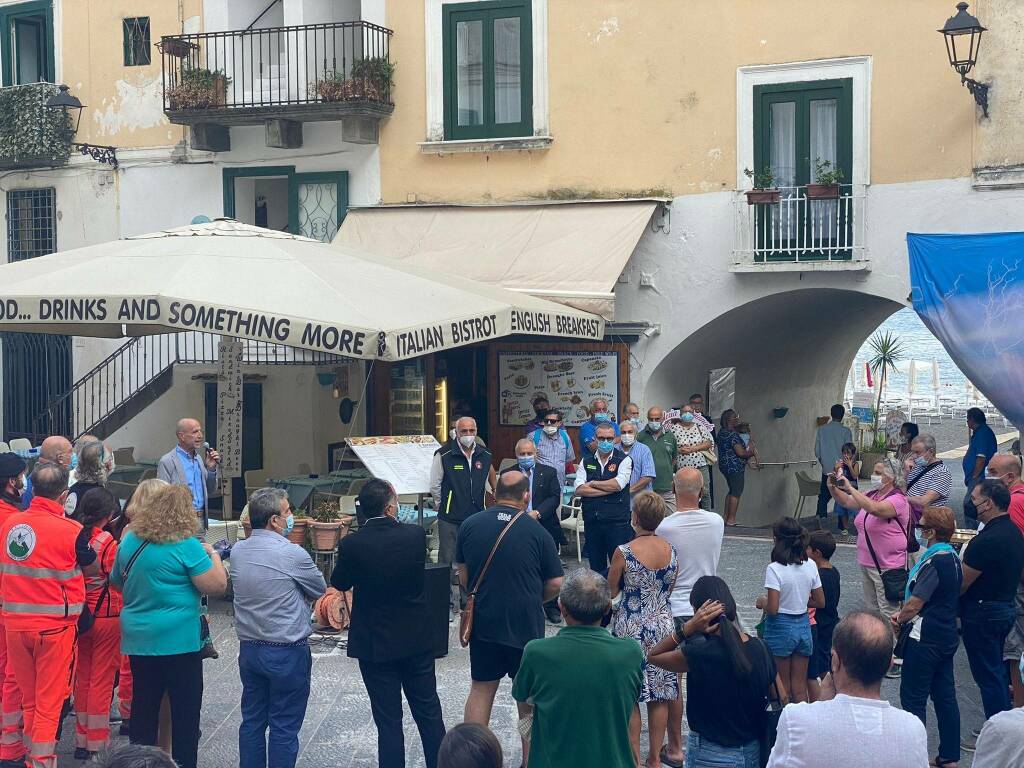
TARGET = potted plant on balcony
x,y
177,47
763,192
299,528
331,87
328,525
376,76
198,88
826,181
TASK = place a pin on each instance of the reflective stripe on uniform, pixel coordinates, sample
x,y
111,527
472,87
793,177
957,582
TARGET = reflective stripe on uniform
x,y
11,718
72,609
14,569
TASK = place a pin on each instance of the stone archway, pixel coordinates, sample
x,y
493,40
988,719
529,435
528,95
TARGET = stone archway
x,y
790,349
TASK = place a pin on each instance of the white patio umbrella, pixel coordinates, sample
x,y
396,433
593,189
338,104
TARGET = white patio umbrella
x,y
936,379
911,378
237,280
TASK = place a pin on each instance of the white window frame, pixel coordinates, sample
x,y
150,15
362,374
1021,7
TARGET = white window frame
x,y
435,73
856,68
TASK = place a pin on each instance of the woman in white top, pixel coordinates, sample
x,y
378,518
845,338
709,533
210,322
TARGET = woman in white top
x,y
792,584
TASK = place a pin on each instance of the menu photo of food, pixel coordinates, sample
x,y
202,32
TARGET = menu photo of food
x,y
570,382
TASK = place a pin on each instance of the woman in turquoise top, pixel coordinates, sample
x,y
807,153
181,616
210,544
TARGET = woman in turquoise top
x,y
162,570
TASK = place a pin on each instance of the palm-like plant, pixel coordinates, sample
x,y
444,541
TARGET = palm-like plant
x,y
886,350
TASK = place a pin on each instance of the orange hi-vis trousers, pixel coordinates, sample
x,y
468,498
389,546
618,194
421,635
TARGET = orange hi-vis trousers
x,y
44,665
125,689
99,656
12,740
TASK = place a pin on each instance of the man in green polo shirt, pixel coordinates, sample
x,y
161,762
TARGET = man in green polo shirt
x,y
580,710
662,443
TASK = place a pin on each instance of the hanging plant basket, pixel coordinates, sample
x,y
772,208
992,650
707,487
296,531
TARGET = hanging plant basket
x,y
822,191
176,47
762,196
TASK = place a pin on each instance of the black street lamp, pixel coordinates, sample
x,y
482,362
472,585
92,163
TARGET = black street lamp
x,y
962,33
72,108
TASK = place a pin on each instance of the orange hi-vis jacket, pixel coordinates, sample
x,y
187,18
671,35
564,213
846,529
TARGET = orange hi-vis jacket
x,y
41,585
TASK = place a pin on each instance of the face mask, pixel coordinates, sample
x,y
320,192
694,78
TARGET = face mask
x,y
920,461
74,460
467,441
654,426
289,523
527,462
550,429
628,439
687,417
605,446
636,420
452,433
602,417
876,481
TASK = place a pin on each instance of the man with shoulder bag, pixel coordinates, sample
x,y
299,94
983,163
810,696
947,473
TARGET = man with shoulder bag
x,y
510,567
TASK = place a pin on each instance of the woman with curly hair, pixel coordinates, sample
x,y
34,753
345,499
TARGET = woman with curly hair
x,y
644,571
91,471
162,569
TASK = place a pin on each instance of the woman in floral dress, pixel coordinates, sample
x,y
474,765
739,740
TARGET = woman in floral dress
x,y
644,572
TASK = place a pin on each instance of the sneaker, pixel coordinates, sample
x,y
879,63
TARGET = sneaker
x,y
125,729
16,763
968,744
895,672
553,615
976,732
81,753
208,651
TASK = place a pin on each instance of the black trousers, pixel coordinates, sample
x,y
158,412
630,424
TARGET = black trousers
x,y
181,677
384,683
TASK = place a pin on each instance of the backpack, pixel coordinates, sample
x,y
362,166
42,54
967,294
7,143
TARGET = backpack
x,y
565,438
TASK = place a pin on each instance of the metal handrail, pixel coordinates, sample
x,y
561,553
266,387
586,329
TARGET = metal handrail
x,y
791,463
263,13
276,66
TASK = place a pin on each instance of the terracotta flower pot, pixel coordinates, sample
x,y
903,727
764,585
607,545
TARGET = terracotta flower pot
x,y
762,196
298,534
326,535
822,191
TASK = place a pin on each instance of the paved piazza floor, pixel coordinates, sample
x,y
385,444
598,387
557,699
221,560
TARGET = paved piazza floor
x,y
339,733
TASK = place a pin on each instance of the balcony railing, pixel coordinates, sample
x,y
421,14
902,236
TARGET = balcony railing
x,y
309,72
32,136
798,228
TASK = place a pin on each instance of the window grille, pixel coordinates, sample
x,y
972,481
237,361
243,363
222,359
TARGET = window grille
x,y
31,223
137,51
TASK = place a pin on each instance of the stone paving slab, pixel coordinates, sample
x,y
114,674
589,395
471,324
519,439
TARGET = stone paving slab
x,y
338,731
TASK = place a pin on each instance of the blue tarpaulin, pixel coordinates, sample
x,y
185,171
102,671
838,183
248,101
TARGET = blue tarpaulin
x,y
969,291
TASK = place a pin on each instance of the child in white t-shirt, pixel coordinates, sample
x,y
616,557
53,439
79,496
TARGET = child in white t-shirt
x,y
792,583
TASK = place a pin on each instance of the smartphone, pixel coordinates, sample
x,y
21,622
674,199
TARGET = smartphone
x,y
832,476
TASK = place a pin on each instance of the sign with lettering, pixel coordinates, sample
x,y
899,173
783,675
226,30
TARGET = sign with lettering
x,y
569,381
402,460
229,406
100,316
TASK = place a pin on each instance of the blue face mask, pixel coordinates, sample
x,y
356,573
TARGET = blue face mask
x,y
527,462
920,461
687,417
602,417
289,523
605,446
74,460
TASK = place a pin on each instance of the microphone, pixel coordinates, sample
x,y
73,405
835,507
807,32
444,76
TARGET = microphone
x,y
206,449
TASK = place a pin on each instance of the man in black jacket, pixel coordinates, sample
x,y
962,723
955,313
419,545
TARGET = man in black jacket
x,y
383,564
544,502
460,475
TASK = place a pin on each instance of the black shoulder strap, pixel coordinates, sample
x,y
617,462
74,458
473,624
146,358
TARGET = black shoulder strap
x,y
927,469
128,566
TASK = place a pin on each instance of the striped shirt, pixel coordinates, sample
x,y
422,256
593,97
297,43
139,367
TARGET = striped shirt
x,y
937,479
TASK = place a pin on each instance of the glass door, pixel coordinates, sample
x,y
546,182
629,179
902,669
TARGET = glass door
x,y
321,200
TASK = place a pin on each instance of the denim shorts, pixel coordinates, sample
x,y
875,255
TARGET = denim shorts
x,y
787,635
702,753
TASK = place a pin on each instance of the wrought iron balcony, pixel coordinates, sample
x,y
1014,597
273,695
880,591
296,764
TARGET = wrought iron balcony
x,y
302,73
32,136
795,228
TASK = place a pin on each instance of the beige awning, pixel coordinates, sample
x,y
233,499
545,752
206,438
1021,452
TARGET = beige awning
x,y
571,253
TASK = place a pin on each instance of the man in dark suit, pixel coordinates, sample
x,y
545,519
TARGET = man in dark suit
x,y
383,564
544,503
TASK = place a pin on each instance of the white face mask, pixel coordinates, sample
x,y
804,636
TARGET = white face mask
x,y
467,441
628,439
550,429
876,481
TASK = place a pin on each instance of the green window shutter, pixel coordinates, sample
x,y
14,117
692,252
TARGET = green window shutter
x,y
488,22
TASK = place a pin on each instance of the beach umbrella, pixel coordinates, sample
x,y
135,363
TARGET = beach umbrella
x,y
936,381
237,280
867,376
911,377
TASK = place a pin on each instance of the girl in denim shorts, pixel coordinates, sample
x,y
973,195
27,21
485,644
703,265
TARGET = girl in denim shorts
x,y
792,584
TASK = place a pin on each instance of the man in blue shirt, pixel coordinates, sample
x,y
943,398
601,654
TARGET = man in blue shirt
x,y
980,451
599,414
643,461
194,464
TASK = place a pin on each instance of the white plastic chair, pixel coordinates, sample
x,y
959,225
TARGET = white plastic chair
x,y
808,487
574,522
21,444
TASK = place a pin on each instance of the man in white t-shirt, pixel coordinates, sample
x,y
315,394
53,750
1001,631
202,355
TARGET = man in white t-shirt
x,y
852,726
697,538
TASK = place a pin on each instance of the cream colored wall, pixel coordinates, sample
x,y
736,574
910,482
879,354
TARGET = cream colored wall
x,y
1000,141
642,96
123,104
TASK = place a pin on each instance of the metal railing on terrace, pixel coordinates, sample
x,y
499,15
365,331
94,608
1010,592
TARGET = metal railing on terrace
x,y
277,66
791,226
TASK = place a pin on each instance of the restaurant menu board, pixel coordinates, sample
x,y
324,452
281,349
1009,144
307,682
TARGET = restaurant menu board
x,y
570,382
229,407
402,460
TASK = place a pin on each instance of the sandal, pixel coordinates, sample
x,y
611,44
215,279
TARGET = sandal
x,y
666,760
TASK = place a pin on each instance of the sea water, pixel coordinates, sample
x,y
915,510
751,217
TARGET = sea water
x,y
919,345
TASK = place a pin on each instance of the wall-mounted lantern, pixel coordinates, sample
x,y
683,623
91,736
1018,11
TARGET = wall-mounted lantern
x,y
962,33
72,108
